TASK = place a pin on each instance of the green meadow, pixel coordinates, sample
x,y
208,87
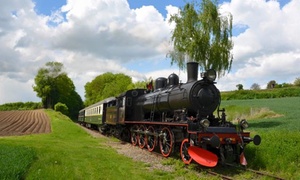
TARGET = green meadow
x,y
277,121
71,153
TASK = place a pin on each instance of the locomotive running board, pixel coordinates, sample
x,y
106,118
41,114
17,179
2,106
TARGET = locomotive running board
x,y
203,157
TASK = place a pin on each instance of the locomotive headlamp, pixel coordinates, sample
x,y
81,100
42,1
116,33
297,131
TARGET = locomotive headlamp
x,y
209,75
204,123
244,124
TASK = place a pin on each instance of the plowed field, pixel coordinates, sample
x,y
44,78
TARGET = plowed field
x,y
13,123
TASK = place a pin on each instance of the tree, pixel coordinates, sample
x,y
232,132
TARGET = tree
x,y
138,85
66,94
53,86
297,81
203,36
106,85
141,84
45,83
239,86
255,86
271,84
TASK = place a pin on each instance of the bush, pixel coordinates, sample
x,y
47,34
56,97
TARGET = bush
x,y
60,107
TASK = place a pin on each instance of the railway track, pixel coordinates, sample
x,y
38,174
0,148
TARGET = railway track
x,y
257,173
213,172
239,169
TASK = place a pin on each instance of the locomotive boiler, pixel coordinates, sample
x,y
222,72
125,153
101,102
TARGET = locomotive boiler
x,y
174,117
172,101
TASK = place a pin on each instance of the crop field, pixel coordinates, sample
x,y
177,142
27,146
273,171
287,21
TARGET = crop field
x,y
24,122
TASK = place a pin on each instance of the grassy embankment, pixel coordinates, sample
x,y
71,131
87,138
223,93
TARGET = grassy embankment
x,y
69,153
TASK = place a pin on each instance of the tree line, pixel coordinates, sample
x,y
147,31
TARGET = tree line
x,y
20,106
271,84
57,90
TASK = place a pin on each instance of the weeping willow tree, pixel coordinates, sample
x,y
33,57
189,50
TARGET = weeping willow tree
x,y
202,35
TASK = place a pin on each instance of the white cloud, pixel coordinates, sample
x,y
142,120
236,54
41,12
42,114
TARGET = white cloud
x,y
88,37
12,90
269,48
111,30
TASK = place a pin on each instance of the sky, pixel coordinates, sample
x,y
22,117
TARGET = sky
x,y
92,37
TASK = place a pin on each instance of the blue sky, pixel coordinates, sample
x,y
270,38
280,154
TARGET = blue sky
x,y
158,4
47,6
133,37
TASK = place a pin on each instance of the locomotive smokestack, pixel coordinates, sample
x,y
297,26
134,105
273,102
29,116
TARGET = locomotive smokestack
x,y
192,71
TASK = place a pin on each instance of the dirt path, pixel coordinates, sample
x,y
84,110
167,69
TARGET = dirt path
x,y
134,152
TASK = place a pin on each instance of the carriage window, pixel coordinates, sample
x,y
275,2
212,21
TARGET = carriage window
x,y
129,101
100,109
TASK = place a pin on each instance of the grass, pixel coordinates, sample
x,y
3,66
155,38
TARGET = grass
x,y
235,112
279,151
15,160
70,153
287,109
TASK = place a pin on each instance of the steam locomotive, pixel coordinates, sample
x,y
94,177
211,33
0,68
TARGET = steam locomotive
x,y
174,116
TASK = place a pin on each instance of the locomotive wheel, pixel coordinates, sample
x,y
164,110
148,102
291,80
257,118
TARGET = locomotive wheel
x,y
166,142
134,135
151,139
142,137
186,158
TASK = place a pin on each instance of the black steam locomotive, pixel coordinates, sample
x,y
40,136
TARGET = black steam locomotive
x,y
174,115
